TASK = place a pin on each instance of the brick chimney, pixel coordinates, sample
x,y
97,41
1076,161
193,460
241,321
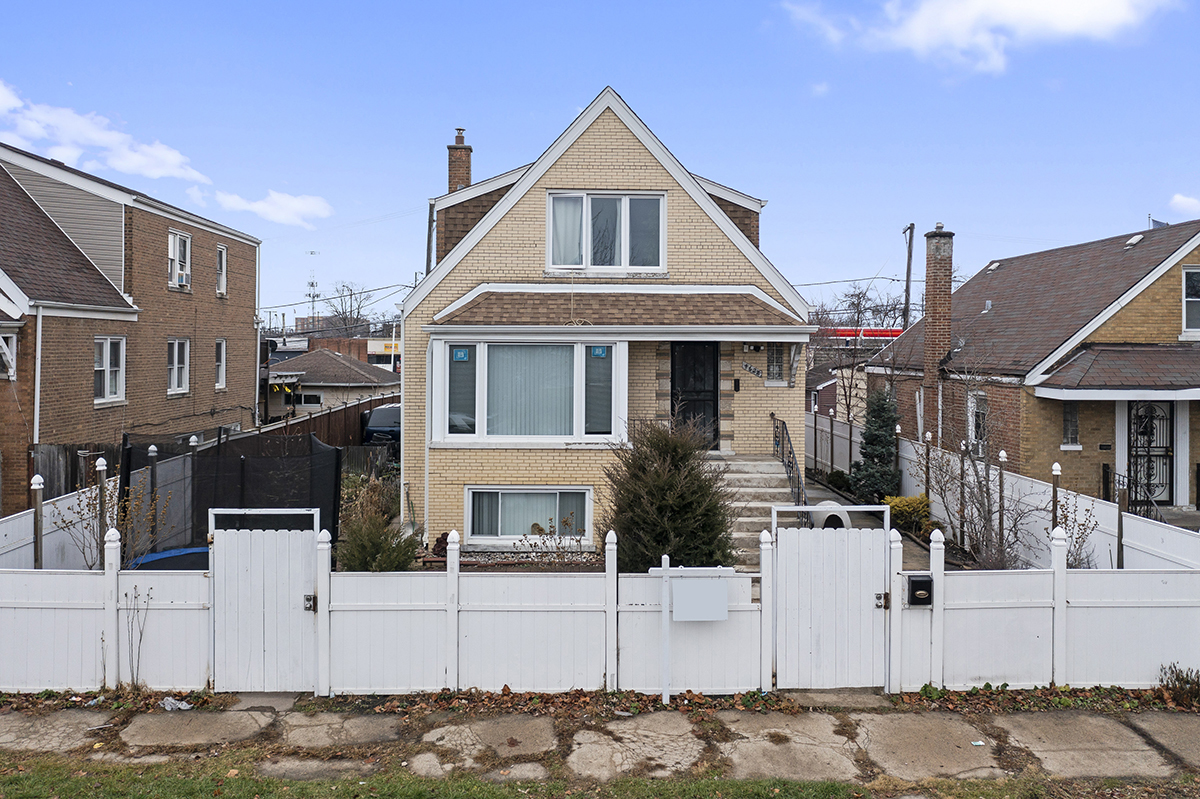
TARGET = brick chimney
x,y
939,265
460,161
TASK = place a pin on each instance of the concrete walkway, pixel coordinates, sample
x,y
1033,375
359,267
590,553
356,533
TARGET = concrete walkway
x,y
848,736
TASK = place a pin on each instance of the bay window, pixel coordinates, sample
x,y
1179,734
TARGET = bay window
x,y
559,390
605,231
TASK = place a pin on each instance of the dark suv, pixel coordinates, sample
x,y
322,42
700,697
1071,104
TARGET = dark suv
x,y
381,425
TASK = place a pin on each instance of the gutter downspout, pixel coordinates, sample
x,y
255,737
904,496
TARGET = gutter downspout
x,y
428,421
403,407
257,335
37,381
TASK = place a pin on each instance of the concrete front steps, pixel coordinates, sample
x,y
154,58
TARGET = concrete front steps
x,y
760,482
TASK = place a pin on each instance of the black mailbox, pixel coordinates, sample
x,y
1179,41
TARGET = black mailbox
x,y
920,589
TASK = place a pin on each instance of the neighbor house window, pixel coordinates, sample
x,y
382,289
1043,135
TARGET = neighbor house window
x,y
1191,298
179,259
177,365
977,414
563,390
606,231
108,373
303,400
222,270
775,361
8,356
1070,423
516,512
220,363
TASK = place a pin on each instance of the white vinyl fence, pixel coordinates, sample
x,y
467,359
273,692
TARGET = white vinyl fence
x,y
1148,544
836,611
830,444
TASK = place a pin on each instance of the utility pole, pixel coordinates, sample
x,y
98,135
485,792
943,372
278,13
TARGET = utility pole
x,y
313,295
908,234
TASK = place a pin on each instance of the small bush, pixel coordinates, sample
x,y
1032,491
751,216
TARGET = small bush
x,y
1179,686
910,514
839,481
369,541
668,498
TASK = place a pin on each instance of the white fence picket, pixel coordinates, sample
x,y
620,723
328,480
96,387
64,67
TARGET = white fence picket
x,y
164,637
52,626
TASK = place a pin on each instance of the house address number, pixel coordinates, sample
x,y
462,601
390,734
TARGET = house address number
x,y
752,370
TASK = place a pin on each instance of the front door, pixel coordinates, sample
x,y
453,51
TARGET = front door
x,y
695,384
1151,435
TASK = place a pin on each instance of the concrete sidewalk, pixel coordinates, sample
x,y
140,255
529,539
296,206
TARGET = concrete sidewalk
x,y
848,736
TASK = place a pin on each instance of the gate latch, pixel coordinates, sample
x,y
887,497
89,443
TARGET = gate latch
x,y
310,602
883,600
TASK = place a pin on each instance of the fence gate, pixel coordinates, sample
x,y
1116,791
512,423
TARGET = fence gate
x,y
831,623
264,639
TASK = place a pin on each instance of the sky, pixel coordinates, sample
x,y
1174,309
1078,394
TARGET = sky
x,y
321,128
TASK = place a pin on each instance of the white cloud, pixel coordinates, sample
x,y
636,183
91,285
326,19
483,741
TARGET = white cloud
x,y
820,89
67,135
286,209
810,15
1188,206
980,33
197,196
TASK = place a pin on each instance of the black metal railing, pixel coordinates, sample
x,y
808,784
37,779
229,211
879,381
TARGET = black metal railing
x,y
782,449
1139,493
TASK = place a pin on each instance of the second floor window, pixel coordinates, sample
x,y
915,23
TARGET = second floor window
x,y
179,259
222,271
177,365
596,231
1191,298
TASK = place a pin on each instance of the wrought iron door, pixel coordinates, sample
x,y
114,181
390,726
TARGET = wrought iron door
x,y
1151,454
695,384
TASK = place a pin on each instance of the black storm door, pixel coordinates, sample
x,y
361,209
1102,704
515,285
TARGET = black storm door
x,y
695,384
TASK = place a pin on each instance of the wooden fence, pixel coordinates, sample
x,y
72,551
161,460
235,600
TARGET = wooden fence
x,y
337,427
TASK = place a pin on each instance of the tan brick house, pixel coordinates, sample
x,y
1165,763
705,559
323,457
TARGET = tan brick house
x,y
1087,355
118,313
599,284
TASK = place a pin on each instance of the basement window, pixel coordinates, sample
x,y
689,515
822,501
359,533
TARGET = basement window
x,y
514,515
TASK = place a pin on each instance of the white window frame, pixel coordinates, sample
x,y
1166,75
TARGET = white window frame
x,y
221,360
624,266
222,271
1067,444
1188,333
440,395
586,542
119,396
179,270
298,399
978,445
179,380
8,355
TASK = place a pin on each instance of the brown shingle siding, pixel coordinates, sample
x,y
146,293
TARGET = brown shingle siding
x,y
456,221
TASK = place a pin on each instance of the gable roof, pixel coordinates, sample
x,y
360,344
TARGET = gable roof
x,y
330,368
608,100
1045,303
42,263
113,191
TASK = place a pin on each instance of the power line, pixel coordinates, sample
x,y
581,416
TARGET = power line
x,y
336,297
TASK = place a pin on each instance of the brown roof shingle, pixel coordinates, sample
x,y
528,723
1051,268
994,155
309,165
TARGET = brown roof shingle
x,y
41,260
330,368
616,308
1130,366
1041,299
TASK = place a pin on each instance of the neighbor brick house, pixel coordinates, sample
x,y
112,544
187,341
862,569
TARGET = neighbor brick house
x,y
118,313
1087,355
601,284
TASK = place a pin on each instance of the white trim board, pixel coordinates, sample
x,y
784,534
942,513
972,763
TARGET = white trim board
x,y
732,195
610,288
1117,394
776,333
1039,373
608,100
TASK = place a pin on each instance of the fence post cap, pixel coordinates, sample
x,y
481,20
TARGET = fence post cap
x,y
897,429
112,536
962,445
1003,456
894,536
101,463
936,539
453,538
764,538
1059,537
324,537
153,450
193,441
1056,469
37,483
611,538
929,435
